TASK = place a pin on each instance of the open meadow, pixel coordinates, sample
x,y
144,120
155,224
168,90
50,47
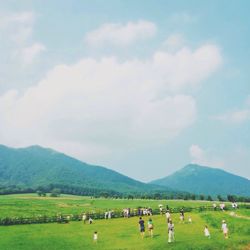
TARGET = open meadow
x,y
30,204
117,233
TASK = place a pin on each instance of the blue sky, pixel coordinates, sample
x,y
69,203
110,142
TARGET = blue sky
x,y
142,87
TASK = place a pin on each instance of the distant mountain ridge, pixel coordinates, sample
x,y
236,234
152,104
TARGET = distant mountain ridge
x,y
206,180
37,166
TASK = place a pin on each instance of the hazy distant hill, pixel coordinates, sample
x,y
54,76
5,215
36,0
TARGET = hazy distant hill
x,y
36,166
205,180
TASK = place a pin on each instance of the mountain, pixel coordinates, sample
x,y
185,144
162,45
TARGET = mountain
x,y
36,166
205,180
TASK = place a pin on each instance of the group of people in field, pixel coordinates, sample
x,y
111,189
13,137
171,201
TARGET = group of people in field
x,y
171,228
149,225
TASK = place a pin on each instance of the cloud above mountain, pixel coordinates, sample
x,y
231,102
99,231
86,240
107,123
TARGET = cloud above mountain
x,y
95,107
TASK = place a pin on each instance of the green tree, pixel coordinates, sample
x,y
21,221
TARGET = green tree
x,y
209,198
55,192
39,193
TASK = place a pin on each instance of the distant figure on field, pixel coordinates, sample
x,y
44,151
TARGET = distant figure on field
x,y
170,231
189,219
214,206
161,209
106,215
84,218
109,214
150,227
141,227
90,220
224,229
206,232
95,237
222,206
234,205
168,216
182,215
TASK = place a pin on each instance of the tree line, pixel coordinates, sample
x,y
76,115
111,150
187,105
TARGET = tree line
x,y
56,189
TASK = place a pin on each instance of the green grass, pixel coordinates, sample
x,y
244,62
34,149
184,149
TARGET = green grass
x,y
115,233
30,204
123,234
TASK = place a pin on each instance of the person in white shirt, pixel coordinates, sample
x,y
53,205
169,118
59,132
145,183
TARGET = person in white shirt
x,y
109,214
224,229
95,237
170,231
168,216
106,215
206,232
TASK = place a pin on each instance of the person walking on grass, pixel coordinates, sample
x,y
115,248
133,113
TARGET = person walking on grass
x,y
206,232
141,227
150,227
170,231
224,229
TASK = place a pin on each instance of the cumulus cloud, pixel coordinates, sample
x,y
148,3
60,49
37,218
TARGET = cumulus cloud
x,y
121,34
204,158
98,107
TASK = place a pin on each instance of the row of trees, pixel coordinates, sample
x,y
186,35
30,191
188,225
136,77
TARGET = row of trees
x,y
56,189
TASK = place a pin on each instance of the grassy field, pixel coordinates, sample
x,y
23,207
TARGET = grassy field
x,y
123,234
31,204
119,233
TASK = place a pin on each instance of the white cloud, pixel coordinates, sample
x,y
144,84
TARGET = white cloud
x,y
236,116
28,54
16,31
17,26
239,116
99,107
121,34
204,158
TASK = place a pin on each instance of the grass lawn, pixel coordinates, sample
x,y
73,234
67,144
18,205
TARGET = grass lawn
x,y
30,204
123,234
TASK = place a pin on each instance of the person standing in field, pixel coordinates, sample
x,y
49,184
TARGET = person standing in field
x,y
206,232
214,206
84,218
168,216
109,214
106,215
95,237
90,220
170,231
224,229
141,227
150,227
182,215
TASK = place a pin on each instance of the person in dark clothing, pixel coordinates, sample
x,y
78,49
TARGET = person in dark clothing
x,y
141,227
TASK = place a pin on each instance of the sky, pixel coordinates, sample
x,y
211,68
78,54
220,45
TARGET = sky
x,y
141,87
